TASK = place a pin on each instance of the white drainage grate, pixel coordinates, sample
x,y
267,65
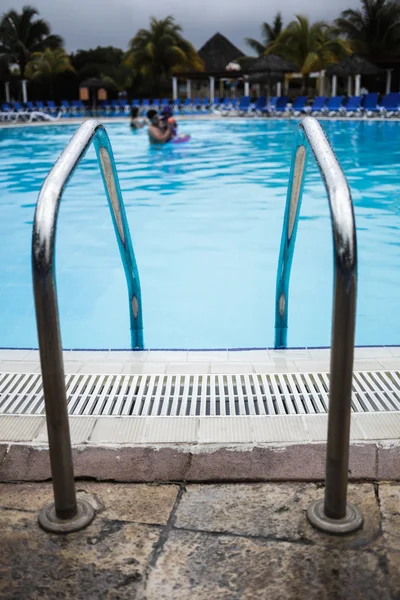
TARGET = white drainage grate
x,y
189,395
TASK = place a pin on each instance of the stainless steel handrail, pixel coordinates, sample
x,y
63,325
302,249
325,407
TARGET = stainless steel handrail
x,y
333,514
68,514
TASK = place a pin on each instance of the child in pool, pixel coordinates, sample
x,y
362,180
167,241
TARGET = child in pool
x,y
168,119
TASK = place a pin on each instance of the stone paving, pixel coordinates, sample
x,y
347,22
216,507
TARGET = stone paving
x,y
215,541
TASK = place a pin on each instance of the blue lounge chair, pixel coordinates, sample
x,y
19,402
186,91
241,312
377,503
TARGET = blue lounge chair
x,y
135,102
225,104
115,108
215,104
259,105
370,104
51,105
7,113
317,106
352,106
39,105
123,105
78,107
186,106
390,104
271,103
164,102
196,105
205,104
29,105
333,105
17,106
244,105
299,105
66,108
103,106
176,106
280,106
156,104
145,106
234,103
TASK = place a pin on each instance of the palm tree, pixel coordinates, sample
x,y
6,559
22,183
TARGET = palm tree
x,y
310,46
269,34
160,50
47,65
22,34
373,30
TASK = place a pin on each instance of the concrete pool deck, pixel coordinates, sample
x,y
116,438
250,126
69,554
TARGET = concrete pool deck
x,y
183,541
201,446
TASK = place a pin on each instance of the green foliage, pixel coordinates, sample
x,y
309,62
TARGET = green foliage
x,y
22,34
47,65
310,46
94,62
269,34
160,50
373,31
119,78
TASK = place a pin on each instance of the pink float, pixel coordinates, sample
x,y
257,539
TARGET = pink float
x,y
180,139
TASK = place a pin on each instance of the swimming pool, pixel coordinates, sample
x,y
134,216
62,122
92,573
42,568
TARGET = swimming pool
x,y
206,221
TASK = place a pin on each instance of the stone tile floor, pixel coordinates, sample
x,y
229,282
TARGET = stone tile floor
x,y
229,541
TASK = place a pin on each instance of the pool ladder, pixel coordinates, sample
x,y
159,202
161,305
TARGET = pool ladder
x,y
66,514
333,514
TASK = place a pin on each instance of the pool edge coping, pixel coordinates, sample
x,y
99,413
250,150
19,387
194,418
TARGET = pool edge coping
x,y
234,460
186,362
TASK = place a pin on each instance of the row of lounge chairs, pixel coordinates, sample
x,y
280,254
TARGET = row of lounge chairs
x,y
367,105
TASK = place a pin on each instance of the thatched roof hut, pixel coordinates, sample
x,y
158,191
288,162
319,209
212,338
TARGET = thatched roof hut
x,y
218,52
353,65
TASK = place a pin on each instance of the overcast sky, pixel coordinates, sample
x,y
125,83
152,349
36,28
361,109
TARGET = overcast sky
x,y
89,23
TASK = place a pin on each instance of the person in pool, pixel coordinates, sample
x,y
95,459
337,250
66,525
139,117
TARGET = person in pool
x,y
157,133
136,123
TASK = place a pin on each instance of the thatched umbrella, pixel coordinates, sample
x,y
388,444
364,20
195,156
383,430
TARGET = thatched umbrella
x,y
349,66
353,65
269,67
271,63
94,84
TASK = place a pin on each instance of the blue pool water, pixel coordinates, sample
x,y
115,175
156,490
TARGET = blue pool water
x,y
206,221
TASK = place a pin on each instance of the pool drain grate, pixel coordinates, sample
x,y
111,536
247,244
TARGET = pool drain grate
x,y
203,395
